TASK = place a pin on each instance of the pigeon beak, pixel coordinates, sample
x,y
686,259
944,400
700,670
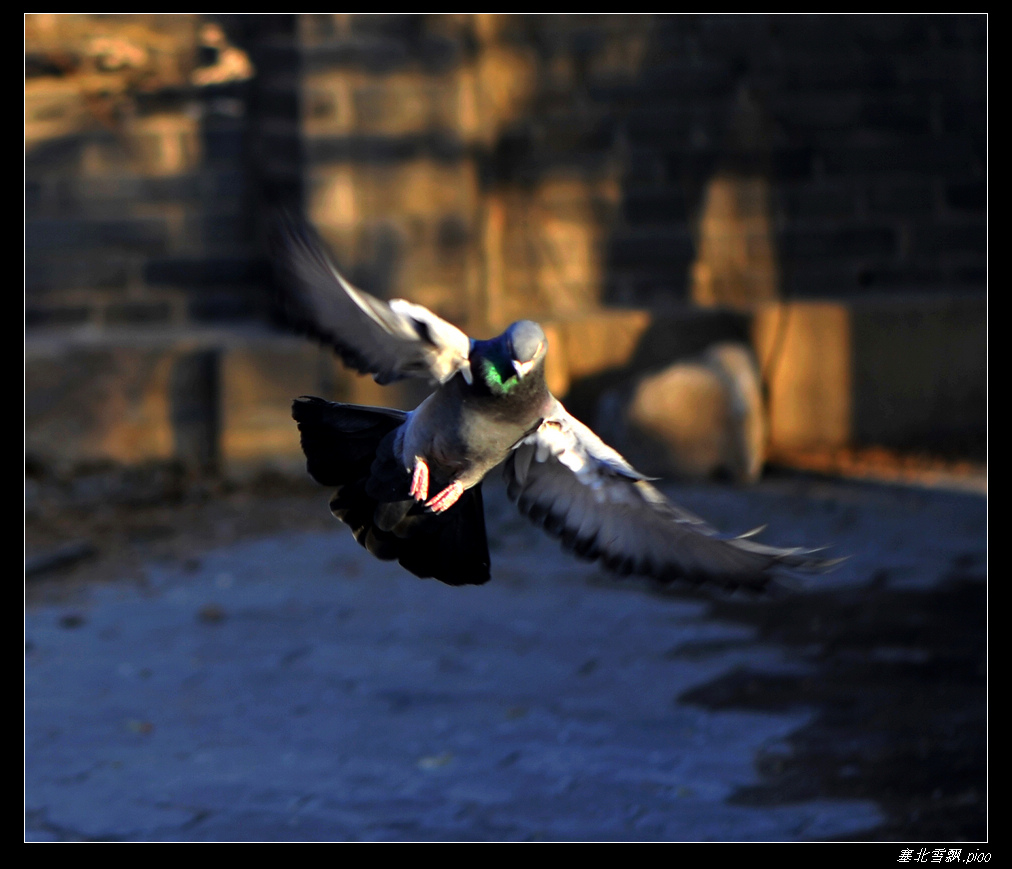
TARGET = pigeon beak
x,y
523,368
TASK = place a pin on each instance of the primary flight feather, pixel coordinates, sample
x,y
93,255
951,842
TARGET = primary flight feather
x,y
409,484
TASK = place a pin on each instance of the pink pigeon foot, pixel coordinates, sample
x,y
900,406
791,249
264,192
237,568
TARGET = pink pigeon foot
x,y
446,499
420,481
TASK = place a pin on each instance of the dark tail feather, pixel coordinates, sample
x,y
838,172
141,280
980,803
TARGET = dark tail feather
x,y
340,440
349,447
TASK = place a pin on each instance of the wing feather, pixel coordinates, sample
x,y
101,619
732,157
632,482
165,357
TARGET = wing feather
x,y
564,478
388,340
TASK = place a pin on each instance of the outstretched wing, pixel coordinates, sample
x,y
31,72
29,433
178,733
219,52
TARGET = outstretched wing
x,y
566,479
388,340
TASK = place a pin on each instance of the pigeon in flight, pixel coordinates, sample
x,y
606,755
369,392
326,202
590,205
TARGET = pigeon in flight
x,y
409,484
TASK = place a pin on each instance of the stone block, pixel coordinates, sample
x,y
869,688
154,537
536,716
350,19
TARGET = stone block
x,y
259,380
805,352
907,372
90,404
694,419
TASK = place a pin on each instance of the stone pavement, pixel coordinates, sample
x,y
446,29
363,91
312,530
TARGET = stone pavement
x,y
293,688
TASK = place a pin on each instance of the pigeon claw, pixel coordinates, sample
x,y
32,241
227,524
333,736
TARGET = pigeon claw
x,y
446,499
420,481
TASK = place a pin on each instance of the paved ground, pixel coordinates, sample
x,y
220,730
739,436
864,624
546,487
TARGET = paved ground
x,y
288,687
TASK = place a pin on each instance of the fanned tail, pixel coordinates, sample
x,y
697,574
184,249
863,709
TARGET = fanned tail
x,y
349,447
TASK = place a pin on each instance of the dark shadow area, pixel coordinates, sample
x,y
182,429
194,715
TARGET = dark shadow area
x,y
194,390
919,376
897,688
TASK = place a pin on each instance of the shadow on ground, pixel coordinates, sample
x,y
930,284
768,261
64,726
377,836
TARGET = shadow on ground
x,y
898,689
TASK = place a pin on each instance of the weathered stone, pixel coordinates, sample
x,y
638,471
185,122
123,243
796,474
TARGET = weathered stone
x,y
908,372
694,419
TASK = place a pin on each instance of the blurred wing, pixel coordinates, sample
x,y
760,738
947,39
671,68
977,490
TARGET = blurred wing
x,y
566,479
388,340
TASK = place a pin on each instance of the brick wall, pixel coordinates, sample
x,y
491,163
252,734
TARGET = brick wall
x,y
138,184
488,165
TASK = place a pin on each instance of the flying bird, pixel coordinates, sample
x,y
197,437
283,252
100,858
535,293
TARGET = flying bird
x,y
408,484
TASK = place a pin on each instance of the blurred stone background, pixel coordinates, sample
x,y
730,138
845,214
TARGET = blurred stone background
x,y
807,190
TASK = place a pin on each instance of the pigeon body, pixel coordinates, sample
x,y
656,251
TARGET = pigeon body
x,y
465,429
409,484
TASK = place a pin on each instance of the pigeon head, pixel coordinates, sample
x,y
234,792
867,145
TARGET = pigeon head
x,y
504,362
527,345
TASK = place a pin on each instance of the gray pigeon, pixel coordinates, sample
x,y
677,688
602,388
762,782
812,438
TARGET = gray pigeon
x,y
409,484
